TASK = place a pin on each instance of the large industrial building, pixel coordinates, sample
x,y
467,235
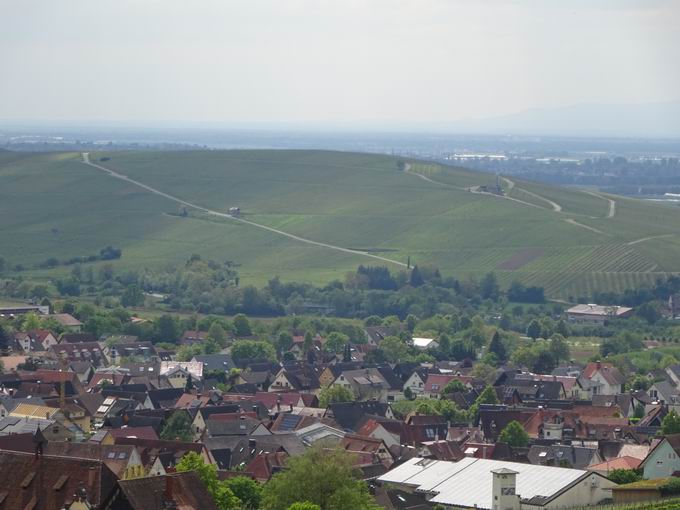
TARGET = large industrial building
x,y
497,485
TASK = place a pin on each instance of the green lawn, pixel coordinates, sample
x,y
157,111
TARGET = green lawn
x,y
53,205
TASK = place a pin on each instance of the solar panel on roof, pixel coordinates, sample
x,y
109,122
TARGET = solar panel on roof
x,y
289,422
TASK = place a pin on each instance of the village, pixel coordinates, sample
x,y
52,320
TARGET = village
x,y
106,422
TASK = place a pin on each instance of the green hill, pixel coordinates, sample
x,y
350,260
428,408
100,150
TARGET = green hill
x,y
53,205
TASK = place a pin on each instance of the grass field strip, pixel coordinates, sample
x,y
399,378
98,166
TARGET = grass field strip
x,y
111,173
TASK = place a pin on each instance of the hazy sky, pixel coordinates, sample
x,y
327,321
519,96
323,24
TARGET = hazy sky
x,y
322,61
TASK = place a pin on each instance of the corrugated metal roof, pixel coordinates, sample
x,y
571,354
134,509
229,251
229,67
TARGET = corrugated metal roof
x,y
468,482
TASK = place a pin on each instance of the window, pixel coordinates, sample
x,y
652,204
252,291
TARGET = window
x,y
508,491
435,387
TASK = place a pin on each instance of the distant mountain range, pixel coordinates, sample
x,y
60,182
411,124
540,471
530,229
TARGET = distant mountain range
x,y
651,120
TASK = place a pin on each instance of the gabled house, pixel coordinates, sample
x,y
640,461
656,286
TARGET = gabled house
x,y
665,393
603,378
416,381
351,415
302,378
365,383
362,445
664,459
46,482
435,383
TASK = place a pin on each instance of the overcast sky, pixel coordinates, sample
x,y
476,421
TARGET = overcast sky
x,y
330,62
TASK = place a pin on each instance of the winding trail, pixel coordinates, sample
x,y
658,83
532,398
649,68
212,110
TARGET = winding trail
x,y
112,173
612,203
407,169
511,184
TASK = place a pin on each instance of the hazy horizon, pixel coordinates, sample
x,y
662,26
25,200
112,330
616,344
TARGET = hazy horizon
x,y
350,64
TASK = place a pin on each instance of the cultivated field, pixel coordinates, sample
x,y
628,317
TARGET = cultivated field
x,y
52,205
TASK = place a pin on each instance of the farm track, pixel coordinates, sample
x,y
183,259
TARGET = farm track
x,y
407,169
637,241
555,206
572,221
612,203
114,174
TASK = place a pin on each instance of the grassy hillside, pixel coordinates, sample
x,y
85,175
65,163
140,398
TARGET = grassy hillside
x,y
54,205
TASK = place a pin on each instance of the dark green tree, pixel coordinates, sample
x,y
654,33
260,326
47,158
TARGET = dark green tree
x,y
416,279
242,325
514,435
247,490
167,329
670,423
534,329
325,478
177,427
496,346
454,386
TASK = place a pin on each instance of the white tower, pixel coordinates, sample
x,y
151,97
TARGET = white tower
x,y
503,489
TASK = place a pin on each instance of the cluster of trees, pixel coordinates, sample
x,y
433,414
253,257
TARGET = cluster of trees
x,y
108,253
207,286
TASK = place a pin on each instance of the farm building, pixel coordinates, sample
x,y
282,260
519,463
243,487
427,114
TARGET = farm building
x,y
498,485
8,311
597,314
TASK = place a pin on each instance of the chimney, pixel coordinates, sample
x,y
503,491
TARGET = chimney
x,y
168,488
252,444
291,407
484,452
598,364
91,474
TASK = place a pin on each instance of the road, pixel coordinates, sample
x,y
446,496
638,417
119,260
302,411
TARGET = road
x,y
112,173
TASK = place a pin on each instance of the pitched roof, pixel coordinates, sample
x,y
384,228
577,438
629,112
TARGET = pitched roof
x,y
185,490
145,432
625,462
48,482
66,319
350,415
609,372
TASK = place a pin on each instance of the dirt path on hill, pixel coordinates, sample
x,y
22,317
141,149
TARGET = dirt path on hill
x,y
612,203
572,221
407,169
112,173
648,239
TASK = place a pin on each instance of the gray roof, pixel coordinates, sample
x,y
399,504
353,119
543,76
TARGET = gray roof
x,y
468,482
17,425
10,403
215,362
578,457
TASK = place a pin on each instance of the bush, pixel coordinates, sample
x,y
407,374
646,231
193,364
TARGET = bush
x,y
671,487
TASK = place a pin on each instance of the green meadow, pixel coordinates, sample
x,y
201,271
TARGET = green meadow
x,y
53,205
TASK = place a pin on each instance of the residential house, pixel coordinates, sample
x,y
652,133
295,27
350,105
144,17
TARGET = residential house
x,y
416,381
603,378
351,415
435,383
301,378
173,490
664,459
46,482
365,384
578,457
